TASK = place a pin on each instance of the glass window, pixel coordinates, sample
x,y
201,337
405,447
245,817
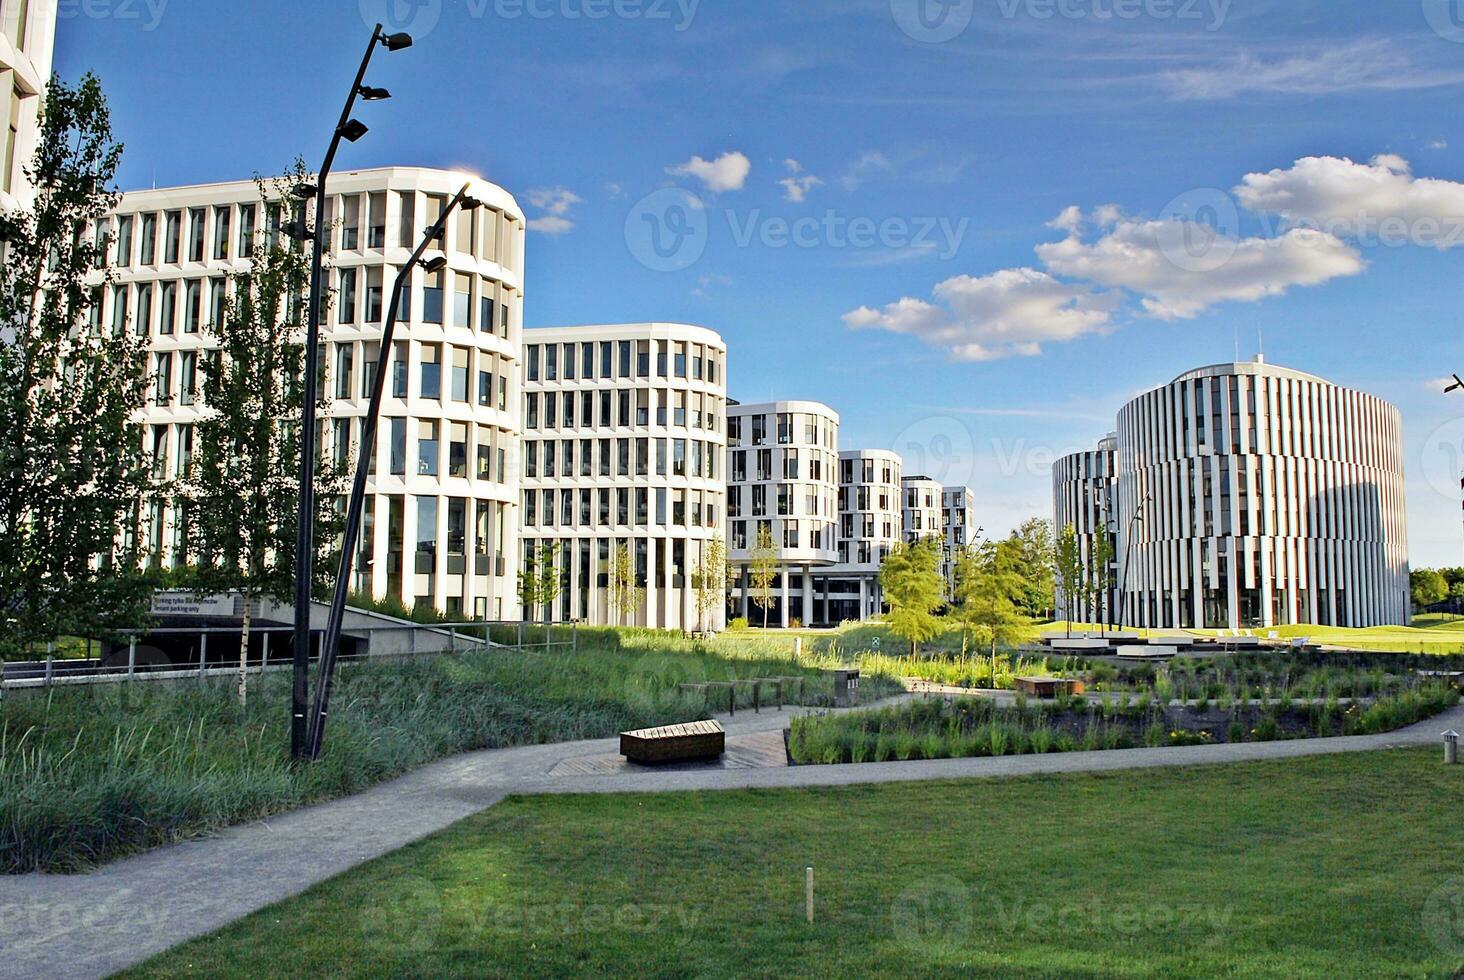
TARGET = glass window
x,y
192,306
172,236
407,219
485,389
149,239
462,301
221,231
398,446
431,372
143,322
399,369
432,298
376,236
187,376
457,449
246,230
347,297
196,217
459,379
427,448
427,526
373,294
124,241
345,356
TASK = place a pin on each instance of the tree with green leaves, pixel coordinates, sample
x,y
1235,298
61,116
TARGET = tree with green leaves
x,y
914,589
1100,576
990,594
626,594
762,569
241,489
72,473
1428,586
539,584
1067,566
1033,539
710,578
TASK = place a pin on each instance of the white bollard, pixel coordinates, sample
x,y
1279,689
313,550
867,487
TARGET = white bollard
x,y
808,893
1451,747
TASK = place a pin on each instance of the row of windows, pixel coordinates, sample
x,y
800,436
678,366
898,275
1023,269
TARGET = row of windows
x,y
792,535
789,464
625,359
444,373
164,308
865,499
620,457
784,498
354,222
886,472
576,565
816,430
620,507
623,408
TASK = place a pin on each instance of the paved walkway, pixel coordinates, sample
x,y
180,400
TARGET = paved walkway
x,y
94,924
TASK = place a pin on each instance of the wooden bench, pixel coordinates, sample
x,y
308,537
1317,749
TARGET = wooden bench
x,y
674,743
1048,687
729,689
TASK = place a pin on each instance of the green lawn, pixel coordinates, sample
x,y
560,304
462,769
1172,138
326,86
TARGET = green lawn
x,y
89,773
1429,634
1343,866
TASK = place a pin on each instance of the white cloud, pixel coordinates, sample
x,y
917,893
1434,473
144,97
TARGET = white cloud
x,y
1364,65
1180,268
797,185
1009,313
869,165
726,173
1439,144
551,224
1379,200
555,202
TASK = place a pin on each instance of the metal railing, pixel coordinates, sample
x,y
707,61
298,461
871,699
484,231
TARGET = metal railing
x,y
270,650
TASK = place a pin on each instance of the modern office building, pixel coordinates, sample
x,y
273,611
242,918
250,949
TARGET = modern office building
x,y
27,39
441,521
1250,495
624,444
783,476
1083,488
921,514
869,526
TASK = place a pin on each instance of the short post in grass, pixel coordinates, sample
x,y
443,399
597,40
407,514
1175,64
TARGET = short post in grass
x,y
1451,747
131,655
808,893
203,654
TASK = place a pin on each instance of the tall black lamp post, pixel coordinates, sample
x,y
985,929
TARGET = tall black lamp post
x,y
1128,551
331,641
351,130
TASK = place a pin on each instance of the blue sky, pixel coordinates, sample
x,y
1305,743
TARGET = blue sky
x,y
974,230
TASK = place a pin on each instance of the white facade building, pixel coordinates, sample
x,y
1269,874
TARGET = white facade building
x,y
1083,489
869,526
1269,496
783,475
921,514
27,40
441,522
624,445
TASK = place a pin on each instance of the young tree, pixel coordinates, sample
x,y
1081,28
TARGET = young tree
x,y
1100,577
1033,539
912,584
1067,567
72,479
241,489
626,595
990,595
710,578
539,582
762,569
1428,587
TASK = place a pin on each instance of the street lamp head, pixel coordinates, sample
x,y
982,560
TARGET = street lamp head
x,y
470,204
353,130
298,230
435,264
397,42
304,190
373,94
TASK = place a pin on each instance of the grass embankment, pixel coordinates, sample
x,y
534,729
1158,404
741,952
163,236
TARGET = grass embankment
x,y
1431,634
89,773
1319,867
965,728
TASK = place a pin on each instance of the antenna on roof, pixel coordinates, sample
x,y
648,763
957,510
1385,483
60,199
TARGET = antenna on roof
x,y
1261,340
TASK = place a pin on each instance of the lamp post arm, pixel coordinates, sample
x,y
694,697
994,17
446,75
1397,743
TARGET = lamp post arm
x,y
330,642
